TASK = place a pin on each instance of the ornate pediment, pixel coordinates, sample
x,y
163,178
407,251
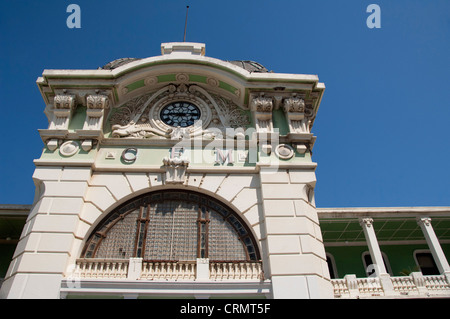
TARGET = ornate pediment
x,y
177,111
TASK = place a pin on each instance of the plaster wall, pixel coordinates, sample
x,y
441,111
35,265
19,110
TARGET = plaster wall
x,y
71,201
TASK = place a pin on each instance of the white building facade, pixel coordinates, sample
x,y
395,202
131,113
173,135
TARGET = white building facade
x,y
181,175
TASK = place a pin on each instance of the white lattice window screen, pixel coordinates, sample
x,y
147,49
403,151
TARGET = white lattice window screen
x,y
223,242
172,231
120,240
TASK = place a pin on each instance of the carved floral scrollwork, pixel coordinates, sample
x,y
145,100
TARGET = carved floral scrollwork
x,y
262,104
231,115
140,117
127,112
97,101
140,131
300,114
64,101
64,105
175,169
294,104
182,77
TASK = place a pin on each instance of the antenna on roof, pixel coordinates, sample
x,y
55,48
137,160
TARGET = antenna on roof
x,y
185,24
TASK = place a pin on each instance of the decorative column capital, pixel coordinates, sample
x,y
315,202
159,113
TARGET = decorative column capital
x,y
262,104
64,104
368,222
64,101
97,101
426,221
262,107
294,104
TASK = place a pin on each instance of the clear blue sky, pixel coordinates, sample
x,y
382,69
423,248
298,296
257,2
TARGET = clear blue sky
x,y
383,133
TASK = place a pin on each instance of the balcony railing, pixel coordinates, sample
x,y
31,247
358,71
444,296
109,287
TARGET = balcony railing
x,y
171,270
235,270
415,285
101,268
138,269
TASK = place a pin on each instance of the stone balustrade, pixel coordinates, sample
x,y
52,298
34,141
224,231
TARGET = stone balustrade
x,y
138,269
415,285
171,270
101,268
235,270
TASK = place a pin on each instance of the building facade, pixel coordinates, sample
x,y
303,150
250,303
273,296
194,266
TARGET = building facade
x,y
183,175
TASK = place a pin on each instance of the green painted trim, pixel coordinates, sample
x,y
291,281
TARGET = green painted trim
x,y
197,78
135,85
68,86
78,118
227,87
166,78
280,121
116,94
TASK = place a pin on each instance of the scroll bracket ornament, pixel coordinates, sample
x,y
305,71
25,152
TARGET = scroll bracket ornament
x,y
63,106
294,107
262,108
96,105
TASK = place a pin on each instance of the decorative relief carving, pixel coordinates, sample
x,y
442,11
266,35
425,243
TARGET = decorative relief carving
x,y
140,117
64,101
151,80
63,108
127,112
212,82
284,151
299,114
69,148
94,113
175,166
139,131
262,104
97,101
182,77
231,114
294,104
262,107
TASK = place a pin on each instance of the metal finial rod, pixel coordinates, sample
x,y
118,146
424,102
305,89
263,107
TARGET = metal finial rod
x,y
185,24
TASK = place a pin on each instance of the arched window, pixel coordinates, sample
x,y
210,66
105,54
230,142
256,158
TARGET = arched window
x,y
367,260
331,266
426,263
172,225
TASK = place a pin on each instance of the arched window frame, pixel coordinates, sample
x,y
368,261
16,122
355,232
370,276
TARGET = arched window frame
x,y
332,266
428,271
205,205
387,264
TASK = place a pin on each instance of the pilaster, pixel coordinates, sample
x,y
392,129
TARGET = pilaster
x,y
51,234
296,254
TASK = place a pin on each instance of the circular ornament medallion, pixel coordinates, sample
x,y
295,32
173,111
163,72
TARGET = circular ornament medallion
x,y
284,151
69,148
